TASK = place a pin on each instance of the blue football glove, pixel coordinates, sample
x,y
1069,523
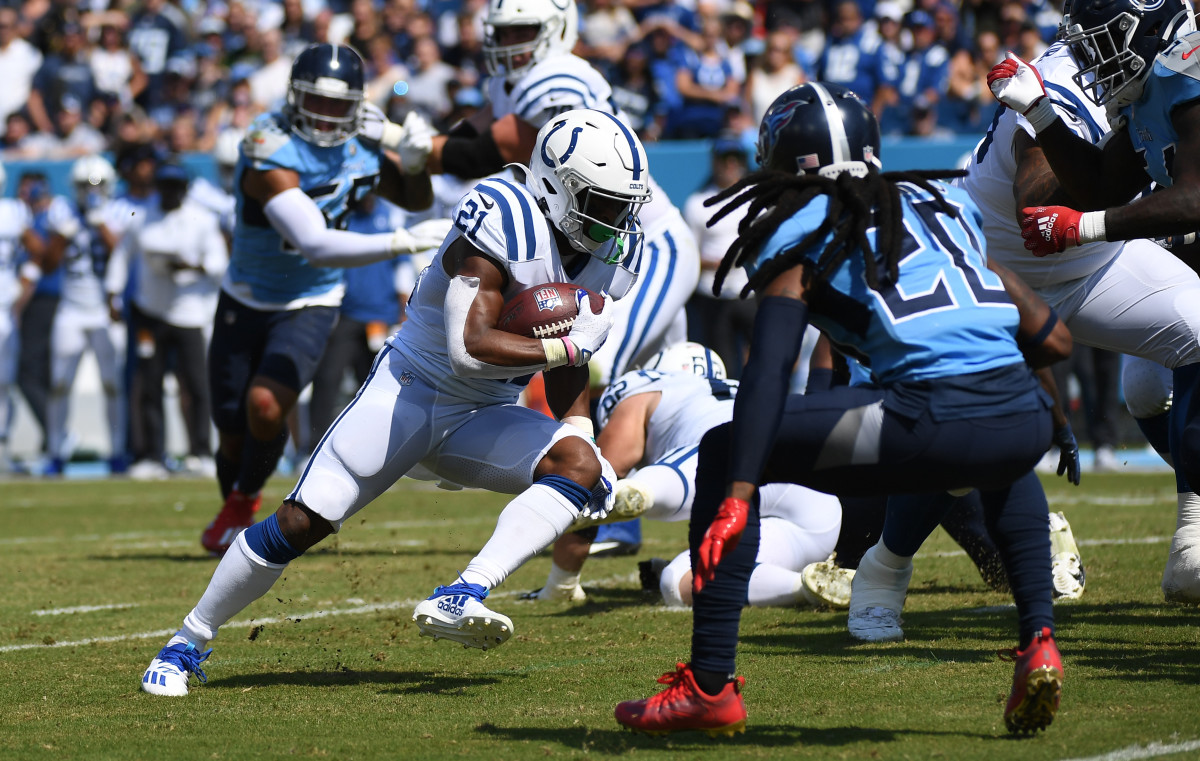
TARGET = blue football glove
x,y
1068,453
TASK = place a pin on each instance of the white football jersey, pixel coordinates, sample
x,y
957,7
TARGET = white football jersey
x,y
690,406
84,258
993,167
561,83
501,219
15,219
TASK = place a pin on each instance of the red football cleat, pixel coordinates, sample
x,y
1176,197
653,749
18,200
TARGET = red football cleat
x,y
235,517
1037,684
684,706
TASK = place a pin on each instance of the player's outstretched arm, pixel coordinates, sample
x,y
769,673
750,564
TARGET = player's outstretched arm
x,y
477,149
408,191
1043,338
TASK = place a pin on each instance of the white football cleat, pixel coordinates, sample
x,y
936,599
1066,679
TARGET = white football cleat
x,y
826,584
1065,563
457,613
554,593
876,598
169,671
629,501
1181,577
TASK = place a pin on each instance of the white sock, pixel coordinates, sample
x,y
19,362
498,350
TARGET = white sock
x,y
1188,513
890,559
668,582
560,579
526,526
881,580
241,578
771,586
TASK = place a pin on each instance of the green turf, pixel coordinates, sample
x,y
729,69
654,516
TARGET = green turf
x,y
362,685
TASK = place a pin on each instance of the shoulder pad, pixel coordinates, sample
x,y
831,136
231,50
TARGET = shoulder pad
x,y
1183,56
629,384
502,219
265,138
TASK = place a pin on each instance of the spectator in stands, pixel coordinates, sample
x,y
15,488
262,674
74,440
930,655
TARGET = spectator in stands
x,y
428,80
808,18
706,83
67,72
737,21
19,61
383,71
16,142
367,24
176,95
466,54
635,92
922,79
237,111
156,35
722,323
116,71
296,30
951,34
605,33
73,137
182,256
850,57
269,82
775,72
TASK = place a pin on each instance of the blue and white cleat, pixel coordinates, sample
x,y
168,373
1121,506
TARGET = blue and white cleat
x,y
169,671
457,613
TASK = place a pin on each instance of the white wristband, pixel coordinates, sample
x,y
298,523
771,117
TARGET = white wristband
x,y
1091,227
33,273
392,135
556,352
582,423
1041,114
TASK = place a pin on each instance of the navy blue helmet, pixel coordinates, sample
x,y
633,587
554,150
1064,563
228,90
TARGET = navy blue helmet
x,y
819,127
1115,43
325,94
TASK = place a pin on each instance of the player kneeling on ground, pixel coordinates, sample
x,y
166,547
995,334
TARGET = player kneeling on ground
x,y
443,391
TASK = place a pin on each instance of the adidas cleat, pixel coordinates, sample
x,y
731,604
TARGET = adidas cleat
x,y
826,584
683,706
169,671
237,515
1065,563
1037,685
457,613
629,501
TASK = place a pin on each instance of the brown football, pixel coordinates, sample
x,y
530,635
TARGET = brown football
x,y
544,311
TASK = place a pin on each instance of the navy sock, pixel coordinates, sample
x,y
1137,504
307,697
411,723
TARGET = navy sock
x,y
259,459
710,682
227,473
268,542
862,524
1184,434
575,494
1017,520
1157,431
965,524
911,518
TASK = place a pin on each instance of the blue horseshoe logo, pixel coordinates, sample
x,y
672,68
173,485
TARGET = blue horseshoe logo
x,y
570,148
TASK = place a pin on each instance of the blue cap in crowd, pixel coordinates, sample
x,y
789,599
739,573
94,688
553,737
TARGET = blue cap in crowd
x,y
920,18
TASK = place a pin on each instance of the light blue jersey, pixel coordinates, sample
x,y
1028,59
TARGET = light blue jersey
x,y
263,268
1174,81
948,314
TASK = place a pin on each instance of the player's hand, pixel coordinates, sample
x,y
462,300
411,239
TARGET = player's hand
x,y
589,330
415,144
1019,86
721,538
422,236
603,496
1050,229
378,129
1068,453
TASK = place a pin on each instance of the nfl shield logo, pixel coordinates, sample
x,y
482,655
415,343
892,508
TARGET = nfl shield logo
x,y
547,298
406,378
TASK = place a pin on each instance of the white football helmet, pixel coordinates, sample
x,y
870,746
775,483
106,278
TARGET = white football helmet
x,y
229,143
589,172
688,357
558,31
93,178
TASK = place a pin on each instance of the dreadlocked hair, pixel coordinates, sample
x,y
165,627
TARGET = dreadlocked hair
x,y
855,205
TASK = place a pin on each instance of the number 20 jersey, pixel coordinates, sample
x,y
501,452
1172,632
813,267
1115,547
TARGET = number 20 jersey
x,y
266,272
947,314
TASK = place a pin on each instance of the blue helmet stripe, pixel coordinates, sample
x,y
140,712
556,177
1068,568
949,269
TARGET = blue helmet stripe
x,y
526,218
633,146
506,214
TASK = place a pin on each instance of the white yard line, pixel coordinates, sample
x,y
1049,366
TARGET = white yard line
x,y
1153,750
84,609
1080,542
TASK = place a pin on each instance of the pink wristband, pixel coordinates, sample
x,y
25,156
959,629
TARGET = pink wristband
x,y
572,352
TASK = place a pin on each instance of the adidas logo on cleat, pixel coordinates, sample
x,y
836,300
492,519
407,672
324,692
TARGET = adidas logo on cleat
x,y
453,605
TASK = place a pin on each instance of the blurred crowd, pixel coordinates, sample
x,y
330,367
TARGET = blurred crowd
x,y
90,75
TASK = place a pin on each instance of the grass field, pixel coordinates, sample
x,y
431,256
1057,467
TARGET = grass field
x,y
97,574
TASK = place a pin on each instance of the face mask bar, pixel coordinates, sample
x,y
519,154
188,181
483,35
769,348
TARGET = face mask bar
x,y
601,216
1107,63
499,58
343,127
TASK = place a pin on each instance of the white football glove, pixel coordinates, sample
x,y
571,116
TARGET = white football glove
x,y
603,496
378,129
1019,86
589,330
416,143
421,237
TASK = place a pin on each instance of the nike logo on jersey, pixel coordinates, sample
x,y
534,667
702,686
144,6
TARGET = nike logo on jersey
x,y
486,203
1193,50
1046,225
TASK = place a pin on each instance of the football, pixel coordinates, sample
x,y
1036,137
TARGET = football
x,y
544,311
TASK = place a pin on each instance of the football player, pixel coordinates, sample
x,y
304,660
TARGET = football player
x,y
535,77
82,320
891,268
300,172
652,420
1131,297
443,392
17,276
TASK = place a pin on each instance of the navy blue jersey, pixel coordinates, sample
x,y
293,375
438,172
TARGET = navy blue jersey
x,y
947,315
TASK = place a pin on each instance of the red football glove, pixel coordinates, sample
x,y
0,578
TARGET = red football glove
x,y
1016,84
722,536
1050,229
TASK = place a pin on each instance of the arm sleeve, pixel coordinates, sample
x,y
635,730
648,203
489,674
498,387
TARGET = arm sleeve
x,y
117,271
294,215
758,407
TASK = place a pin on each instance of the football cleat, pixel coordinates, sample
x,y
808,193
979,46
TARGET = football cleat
x,y
169,671
457,613
236,516
1037,684
876,599
683,706
874,624
826,584
650,573
1065,563
573,593
629,502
